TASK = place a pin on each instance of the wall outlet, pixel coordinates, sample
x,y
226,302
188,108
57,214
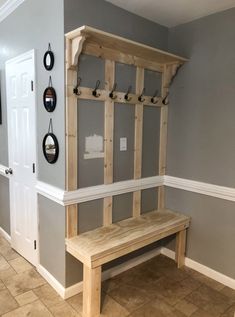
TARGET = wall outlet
x,y
123,144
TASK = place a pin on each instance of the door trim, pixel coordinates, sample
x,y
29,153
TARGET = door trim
x,y
30,54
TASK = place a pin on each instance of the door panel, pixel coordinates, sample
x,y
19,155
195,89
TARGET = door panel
x,y
22,154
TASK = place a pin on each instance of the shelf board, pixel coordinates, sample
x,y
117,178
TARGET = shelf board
x,y
125,46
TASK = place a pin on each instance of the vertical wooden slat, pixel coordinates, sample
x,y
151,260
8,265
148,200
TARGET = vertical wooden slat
x,y
108,140
91,291
180,248
163,135
139,108
71,144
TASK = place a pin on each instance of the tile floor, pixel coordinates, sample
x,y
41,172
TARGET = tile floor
x,y
153,289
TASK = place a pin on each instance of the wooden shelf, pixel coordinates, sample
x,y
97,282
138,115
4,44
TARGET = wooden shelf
x,y
103,44
104,244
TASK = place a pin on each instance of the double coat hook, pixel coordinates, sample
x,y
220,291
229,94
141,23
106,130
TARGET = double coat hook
x,y
141,98
94,92
75,90
153,99
127,97
112,95
165,100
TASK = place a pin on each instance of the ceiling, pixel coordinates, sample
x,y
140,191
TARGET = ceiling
x,y
173,12
168,12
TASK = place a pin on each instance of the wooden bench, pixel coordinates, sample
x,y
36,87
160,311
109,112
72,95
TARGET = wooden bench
x,y
105,244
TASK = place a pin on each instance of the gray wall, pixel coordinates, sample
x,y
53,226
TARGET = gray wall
x,y
4,205
201,135
107,17
19,33
32,26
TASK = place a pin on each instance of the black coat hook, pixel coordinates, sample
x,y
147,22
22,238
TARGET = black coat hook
x,y
75,90
165,100
111,95
140,98
127,98
153,99
94,92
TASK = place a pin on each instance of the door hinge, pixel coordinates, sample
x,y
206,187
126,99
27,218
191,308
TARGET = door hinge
x,y
33,168
32,86
35,244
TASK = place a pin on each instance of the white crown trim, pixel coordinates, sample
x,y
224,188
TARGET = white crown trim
x,y
8,7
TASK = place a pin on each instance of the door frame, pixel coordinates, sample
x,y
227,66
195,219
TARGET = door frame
x,y
29,54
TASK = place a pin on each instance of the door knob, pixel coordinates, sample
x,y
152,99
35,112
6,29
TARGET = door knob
x,y
8,171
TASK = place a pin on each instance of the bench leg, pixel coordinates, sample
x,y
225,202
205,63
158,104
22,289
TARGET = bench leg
x,y
180,248
91,291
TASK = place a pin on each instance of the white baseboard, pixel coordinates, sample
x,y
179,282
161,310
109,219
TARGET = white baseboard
x,y
77,288
217,276
5,235
51,280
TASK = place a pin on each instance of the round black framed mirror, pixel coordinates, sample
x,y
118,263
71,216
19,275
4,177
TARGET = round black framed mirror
x,y
49,99
48,60
50,148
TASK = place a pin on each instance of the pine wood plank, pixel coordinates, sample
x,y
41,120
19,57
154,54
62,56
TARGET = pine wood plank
x,y
107,243
125,46
71,144
139,111
180,248
108,140
91,291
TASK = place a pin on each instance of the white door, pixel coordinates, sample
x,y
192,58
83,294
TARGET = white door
x,y
21,109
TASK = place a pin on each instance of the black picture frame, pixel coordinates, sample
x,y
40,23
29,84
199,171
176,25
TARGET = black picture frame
x,y
51,158
49,55
49,99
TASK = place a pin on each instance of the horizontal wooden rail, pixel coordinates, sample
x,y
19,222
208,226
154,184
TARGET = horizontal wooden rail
x,y
86,94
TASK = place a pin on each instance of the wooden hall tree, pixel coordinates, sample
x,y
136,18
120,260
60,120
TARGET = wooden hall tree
x,y
97,247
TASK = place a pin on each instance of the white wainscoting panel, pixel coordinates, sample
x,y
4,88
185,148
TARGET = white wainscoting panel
x,y
222,192
66,198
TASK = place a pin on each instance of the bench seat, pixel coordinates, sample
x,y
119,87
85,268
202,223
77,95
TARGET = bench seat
x,y
97,247
105,244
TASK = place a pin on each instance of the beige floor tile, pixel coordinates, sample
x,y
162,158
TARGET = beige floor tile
x,y
4,265
7,302
20,265
8,253
186,308
157,308
36,309
63,310
76,302
201,313
5,274
173,294
230,312
110,308
2,286
210,300
230,293
191,283
23,282
48,295
207,281
129,297
26,298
